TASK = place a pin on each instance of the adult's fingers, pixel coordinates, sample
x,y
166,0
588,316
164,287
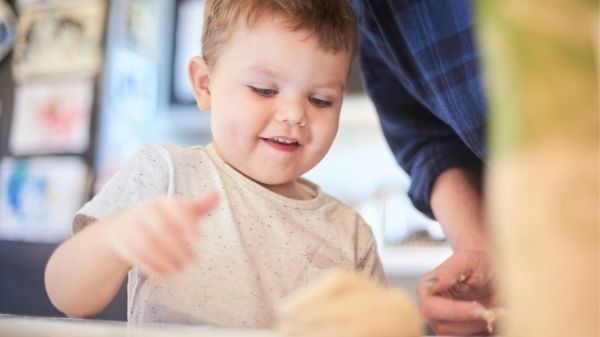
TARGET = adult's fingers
x,y
466,272
464,328
436,307
444,277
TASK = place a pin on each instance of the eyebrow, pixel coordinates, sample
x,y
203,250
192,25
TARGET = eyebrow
x,y
261,70
333,84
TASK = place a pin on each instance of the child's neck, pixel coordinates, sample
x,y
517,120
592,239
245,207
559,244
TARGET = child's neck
x,y
293,190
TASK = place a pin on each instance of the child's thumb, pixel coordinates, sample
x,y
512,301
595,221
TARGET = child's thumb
x,y
205,203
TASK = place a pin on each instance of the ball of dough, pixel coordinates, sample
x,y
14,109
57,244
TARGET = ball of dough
x,y
346,304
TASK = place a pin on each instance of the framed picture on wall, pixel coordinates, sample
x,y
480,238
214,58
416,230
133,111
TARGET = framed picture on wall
x,y
52,117
59,38
37,201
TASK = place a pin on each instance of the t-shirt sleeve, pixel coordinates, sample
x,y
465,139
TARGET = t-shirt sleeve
x,y
367,260
146,175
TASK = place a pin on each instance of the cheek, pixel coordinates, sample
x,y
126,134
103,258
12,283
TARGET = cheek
x,y
227,129
326,130
227,120
220,125
323,134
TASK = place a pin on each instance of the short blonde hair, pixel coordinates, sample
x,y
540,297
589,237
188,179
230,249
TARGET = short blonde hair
x,y
332,21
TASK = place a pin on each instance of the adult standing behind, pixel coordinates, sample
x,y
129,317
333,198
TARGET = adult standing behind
x,y
420,66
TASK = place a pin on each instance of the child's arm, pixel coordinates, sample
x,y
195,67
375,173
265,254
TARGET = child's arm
x,y
86,271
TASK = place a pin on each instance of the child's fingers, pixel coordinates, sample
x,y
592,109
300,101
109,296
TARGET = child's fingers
x,y
147,264
152,244
148,269
204,204
134,253
175,226
152,249
156,237
191,210
170,235
184,222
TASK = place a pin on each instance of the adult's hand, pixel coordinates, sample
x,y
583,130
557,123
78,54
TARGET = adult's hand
x,y
455,295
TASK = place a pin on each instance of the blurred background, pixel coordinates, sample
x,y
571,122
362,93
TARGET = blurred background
x,y
85,83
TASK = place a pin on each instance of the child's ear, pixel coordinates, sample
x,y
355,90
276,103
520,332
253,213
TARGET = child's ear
x,y
198,74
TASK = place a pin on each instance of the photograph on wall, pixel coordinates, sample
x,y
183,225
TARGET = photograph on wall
x,y
59,38
38,202
24,4
52,117
134,25
132,87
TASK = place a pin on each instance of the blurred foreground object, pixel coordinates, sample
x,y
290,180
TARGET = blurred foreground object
x,y
541,62
345,304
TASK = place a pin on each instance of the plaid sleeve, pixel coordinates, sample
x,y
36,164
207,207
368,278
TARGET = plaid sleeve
x,y
419,67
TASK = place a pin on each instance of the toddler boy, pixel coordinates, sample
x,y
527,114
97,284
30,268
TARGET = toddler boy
x,y
272,75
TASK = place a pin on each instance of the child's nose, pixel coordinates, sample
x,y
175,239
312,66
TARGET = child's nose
x,y
293,113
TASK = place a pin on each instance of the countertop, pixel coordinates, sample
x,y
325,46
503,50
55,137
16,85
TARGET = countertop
x,y
27,326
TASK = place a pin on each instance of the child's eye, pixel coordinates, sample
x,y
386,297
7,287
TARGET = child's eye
x,y
264,92
319,103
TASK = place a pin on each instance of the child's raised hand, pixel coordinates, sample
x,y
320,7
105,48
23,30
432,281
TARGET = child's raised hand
x,y
156,235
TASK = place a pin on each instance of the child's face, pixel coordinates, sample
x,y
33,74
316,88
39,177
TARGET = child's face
x,y
275,98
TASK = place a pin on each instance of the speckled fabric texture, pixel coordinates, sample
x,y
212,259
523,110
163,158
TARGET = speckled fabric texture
x,y
255,248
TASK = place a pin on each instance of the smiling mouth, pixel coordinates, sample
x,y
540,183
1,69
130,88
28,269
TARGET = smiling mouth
x,y
282,143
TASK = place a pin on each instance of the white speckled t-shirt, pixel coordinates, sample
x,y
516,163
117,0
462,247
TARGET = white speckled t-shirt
x,y
255,248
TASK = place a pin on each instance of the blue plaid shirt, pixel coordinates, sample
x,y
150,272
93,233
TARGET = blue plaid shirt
x,y
419,65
